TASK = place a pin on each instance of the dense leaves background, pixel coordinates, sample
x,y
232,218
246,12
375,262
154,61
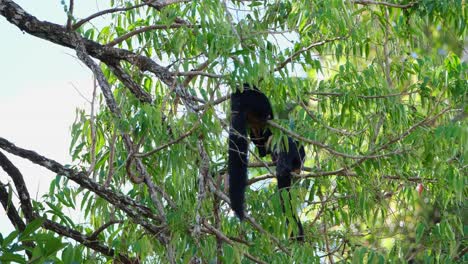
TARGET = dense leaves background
x,y
376,91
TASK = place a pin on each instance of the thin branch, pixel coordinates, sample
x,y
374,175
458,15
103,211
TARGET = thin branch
x,y
226,239
407,132
214,102
217,221
363,96
402,6
326,147
386,56
170,143
70,15
336,130
141,30
201,73
249,218
104,12
110,173
86,241
203,174
158,4
200,67
299,52
96,233
92,126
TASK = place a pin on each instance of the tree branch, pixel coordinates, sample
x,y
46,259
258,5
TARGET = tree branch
x,y
18,180
139,213
367,2
14,217
141,30
104,12
299,52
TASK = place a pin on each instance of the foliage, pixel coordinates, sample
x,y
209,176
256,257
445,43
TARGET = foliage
x,y
377,92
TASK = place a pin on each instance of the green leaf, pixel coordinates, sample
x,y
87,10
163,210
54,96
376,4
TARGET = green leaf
x,y
31,227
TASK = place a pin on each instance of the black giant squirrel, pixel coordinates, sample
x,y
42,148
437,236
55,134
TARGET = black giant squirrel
x,y
251,110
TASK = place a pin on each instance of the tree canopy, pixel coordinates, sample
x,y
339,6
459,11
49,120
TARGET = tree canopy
x,y
376,92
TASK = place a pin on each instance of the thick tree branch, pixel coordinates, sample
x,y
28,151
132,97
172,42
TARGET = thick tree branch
x,y
13,215
87,241
128,81
18,180
60,35
10,209
139,213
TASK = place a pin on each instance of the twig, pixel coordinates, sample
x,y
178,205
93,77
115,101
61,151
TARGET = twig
x,y
336,130
226,239
202,176
104,12
367,2
141,30
170,143
326,147
96,233
110,173
93,133
201,73
70,15
386,52
299,52
363,96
